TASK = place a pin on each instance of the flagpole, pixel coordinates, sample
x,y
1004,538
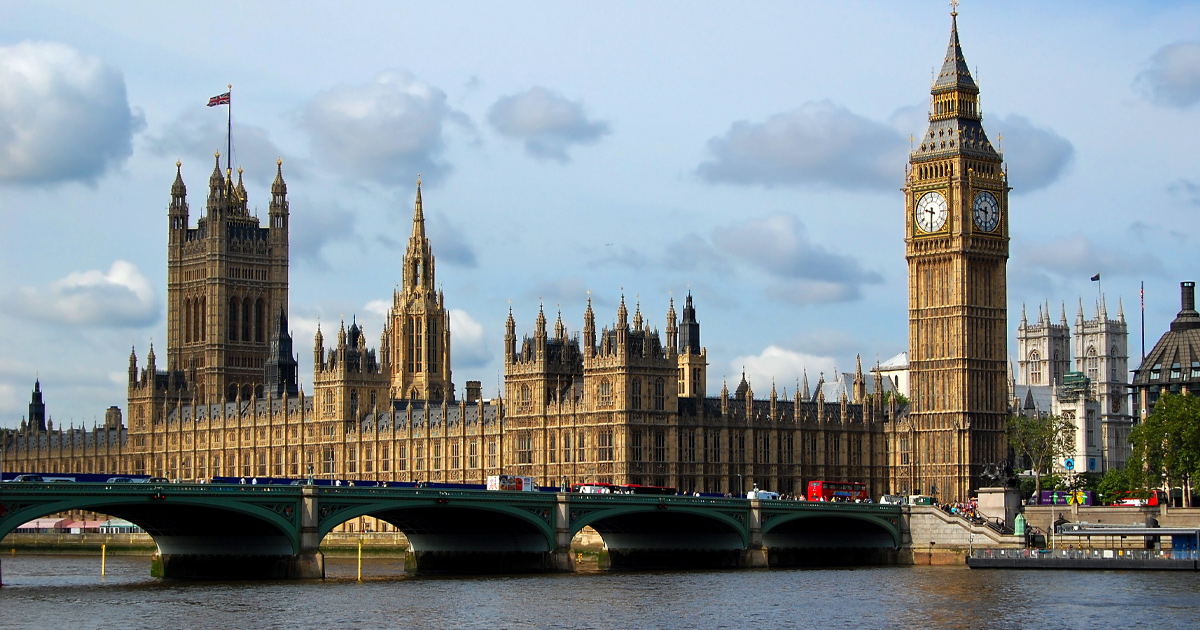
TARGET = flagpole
x,y
229,130
1143,295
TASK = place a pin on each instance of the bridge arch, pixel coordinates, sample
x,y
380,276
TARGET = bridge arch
x,y
453,531
248,532
829,538
641,534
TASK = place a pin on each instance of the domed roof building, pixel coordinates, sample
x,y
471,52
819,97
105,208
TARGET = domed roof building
x,y
1173,365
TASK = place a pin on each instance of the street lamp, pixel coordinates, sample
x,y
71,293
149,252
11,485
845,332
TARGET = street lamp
x,y
741,486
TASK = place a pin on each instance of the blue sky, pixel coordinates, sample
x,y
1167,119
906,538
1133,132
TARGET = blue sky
x,y
750,153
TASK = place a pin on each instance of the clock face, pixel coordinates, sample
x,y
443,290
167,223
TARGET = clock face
x,y
931,212
986,211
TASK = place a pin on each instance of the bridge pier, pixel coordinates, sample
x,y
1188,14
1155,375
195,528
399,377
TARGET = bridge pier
x,y
755,555
309,563
561,558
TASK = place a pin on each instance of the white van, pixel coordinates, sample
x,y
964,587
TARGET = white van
x,y
762,494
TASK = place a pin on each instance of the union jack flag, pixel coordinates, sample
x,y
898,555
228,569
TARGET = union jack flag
x,y
220,99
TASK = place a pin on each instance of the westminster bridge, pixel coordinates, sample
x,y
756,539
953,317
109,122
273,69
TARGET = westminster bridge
x,y
274,531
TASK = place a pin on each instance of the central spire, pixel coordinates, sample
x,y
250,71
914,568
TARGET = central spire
x,y
955,73
418,214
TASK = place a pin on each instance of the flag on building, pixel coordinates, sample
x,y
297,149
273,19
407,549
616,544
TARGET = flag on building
x,y
220,99
1095,278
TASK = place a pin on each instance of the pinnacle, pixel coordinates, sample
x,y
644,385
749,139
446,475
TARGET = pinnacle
x,y
954,73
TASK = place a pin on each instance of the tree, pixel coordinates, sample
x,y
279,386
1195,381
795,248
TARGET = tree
x,y
1166,446
1041,440
1114,485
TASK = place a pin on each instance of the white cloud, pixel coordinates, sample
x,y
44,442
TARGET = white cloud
x,y
546,121
1187,190
1076,256
63,115
1036,156
1172,75
806,272
313,229
469,347
563,290
450,242
379,308
120,297
694,253
827,145
804,292
200,132
785,366
389,129
820,143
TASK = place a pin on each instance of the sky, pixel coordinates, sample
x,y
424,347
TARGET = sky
x,y
750,153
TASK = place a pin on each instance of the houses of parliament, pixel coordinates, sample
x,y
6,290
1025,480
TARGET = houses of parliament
x,y
624,404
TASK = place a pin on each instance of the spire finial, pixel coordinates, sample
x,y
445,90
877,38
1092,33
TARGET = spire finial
x,y
953,8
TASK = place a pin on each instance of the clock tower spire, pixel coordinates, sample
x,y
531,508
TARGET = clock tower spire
x,y
956,244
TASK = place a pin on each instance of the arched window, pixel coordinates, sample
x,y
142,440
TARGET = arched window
x,y
187,321
604,393
353,404
260,321
232,324
526,398
660,388
431,336
1093,363
1035,368
636,395
247,319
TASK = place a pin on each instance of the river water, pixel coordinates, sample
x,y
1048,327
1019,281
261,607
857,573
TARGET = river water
x,y
55,591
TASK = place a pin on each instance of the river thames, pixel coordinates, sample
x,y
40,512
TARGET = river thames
x,y
53,591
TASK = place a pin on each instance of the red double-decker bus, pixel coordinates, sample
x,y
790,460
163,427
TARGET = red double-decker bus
x,y
837,491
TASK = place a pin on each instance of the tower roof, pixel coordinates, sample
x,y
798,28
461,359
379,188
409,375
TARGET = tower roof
x,y
177,188
279,187
956,130
418,215
1175,358
954,74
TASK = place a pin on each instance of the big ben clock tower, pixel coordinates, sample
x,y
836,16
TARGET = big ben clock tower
x,y
956,238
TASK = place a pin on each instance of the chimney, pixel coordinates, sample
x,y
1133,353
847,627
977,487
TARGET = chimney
x,y
1188,318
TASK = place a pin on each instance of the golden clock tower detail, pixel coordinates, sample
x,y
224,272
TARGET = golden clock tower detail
x,y
956,237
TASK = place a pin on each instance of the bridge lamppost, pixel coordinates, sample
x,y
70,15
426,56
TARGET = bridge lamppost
x,y
741,486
